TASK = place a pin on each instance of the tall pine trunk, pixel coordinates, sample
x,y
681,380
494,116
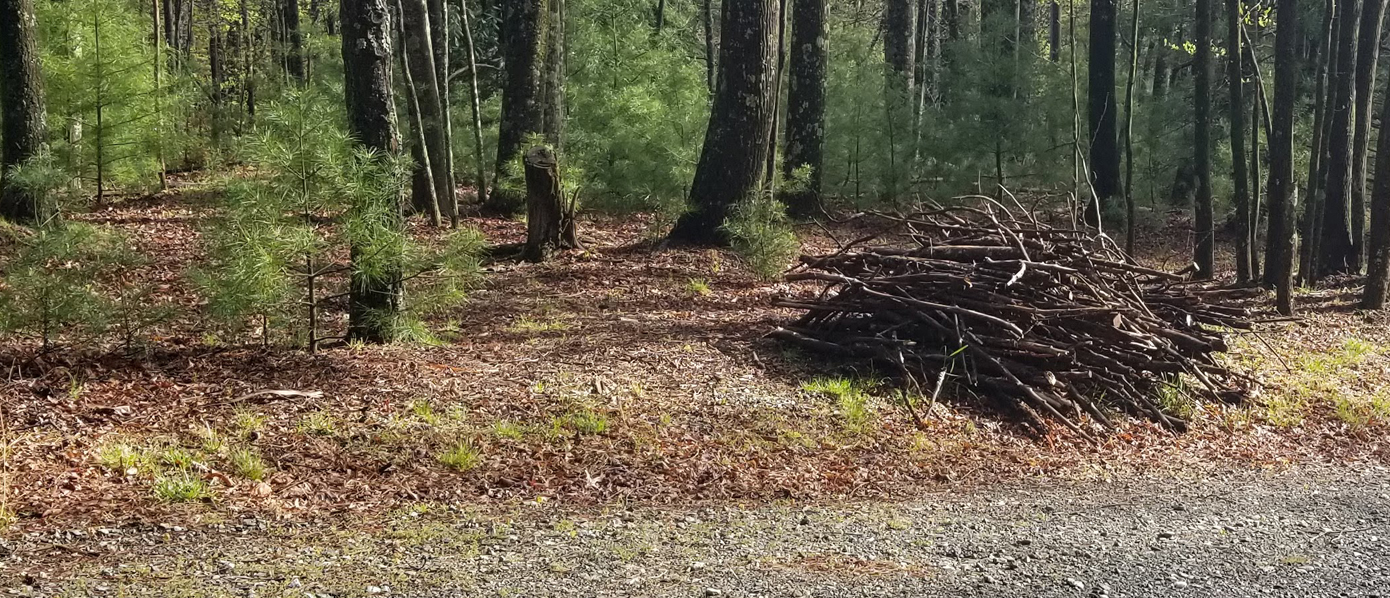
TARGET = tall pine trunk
x,y
1367,56
1334,243
21,106
806,107
1325,55
1130,212
440,42
373,301
1104,156
474,104
1378,264
1205,230
1282,187
1245,219
294,52
553,78
523,51
740,123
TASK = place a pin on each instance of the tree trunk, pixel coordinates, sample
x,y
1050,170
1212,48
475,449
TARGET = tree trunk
x,y
1240,177
553,80
24,131
1159,87
1104,156
1335,246
418,56
439,43
1205,232
294,58
1130,211
740,124
474,104
899,25
218,71
423,192
550,225
1054,32
1279,257
1367,56
1313,197
711,47
523,50
374,301
806,108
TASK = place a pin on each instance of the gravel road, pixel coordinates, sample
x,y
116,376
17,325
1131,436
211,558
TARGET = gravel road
x,y
1304,533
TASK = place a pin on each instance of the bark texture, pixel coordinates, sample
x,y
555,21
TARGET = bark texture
x,y
524,24
806,106
1239,174
740,124
1102,113
1205,230
1334,244
1367,56
21,106
550,225
1282,187
373,301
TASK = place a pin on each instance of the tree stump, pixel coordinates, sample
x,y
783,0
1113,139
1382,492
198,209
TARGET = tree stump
x,y
549,222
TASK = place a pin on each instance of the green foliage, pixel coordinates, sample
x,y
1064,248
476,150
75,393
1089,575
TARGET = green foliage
x,y
101,93
311,194
53,283
762,236
582,422
181,486
462,457
638,104
248,464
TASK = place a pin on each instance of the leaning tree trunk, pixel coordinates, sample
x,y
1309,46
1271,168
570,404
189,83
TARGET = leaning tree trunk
x,y
806,107
1104,156
419,59
1245,218
1372,16
523,50
374,301
740,123
1335,246
1279,257
1205,250
550,224
21,106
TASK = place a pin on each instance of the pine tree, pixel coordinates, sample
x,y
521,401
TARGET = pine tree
x,y
21,106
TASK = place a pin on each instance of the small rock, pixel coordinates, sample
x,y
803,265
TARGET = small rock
x,y
1075,583
1180,584
1165,535
1024,542
697,566
711,592
373,590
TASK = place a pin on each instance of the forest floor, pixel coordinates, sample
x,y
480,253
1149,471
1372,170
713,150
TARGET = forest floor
x,y
622,374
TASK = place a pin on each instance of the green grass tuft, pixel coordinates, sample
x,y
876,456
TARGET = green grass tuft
x,y
463,457
180,487
248,464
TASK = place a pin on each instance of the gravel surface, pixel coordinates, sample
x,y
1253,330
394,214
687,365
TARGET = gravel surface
x,y
1301,533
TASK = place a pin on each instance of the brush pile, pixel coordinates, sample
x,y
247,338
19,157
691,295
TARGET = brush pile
x,y
1050,322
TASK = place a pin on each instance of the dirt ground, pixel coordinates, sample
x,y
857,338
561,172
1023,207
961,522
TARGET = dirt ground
x,y
625,372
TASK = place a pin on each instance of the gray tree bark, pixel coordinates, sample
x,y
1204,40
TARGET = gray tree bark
x,y
373,301
740,124
523,51
21,105
806,106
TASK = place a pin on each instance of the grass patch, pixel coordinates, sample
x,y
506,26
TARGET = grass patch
x,y
176,457
463,457
119,457
180,487
248,464
697,287
851,401
528,325
508,430
583,422
247,422
318,423
424,412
